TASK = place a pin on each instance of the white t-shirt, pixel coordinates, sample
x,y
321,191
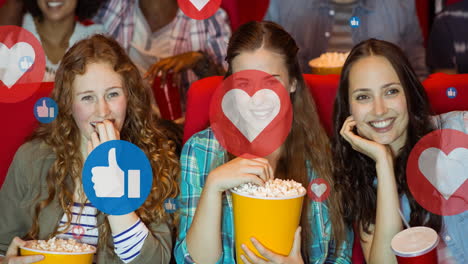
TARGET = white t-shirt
x,y
81,32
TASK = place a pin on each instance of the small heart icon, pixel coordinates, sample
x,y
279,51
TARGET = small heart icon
x,y
11,65
78,231
251,114
319,189
199,4
445,173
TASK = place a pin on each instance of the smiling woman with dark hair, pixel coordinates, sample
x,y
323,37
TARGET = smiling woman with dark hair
x,y
381,112
54,24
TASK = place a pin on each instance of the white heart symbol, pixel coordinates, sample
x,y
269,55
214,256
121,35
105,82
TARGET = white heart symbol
x,y
445,173
318,189
199,4
251,114
10,65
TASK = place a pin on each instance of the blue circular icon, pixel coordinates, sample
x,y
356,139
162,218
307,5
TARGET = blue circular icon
x,y
25,63
171,205
451,92
354,22
45,110
117,177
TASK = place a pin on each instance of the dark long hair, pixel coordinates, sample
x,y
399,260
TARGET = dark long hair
x,y
307,142
140,128
354,170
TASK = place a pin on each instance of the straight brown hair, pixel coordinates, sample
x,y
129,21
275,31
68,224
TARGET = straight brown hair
x,y
307,145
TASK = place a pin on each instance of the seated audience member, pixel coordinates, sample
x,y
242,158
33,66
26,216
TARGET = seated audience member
x,y
447,48
381,112
53,23
161,39
206,213
101,97
321,26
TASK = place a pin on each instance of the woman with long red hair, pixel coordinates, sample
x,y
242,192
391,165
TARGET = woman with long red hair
x,y
101,97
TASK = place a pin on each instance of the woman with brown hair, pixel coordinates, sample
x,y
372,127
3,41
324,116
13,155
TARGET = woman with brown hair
x,y
208,172
381,112
100,97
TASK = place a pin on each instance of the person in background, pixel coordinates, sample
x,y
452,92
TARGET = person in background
x,y
53,23
101,97
381,112
447,47
158,37
206,231
321,26
161,39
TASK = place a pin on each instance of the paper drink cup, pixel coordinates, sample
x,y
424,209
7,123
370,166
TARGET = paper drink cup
x,y
416,245
272,221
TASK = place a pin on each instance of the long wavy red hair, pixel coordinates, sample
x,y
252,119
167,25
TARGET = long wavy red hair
x,y
139,128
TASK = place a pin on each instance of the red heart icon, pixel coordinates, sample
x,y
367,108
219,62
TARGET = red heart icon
x,y
22,67
251,114
78,231
199,9
437,172
318,190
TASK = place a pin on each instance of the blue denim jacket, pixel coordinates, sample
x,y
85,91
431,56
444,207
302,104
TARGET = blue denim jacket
x,y
455,228
310,23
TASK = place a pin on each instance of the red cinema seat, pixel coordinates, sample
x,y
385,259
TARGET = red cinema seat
x,y
18,123
198,105
437,86
243,11
323,89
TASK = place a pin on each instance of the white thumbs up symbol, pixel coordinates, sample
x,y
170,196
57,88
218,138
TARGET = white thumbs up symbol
x,y
110,181
44,111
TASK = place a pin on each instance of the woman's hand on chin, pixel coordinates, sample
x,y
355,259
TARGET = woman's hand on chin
x,y
376,151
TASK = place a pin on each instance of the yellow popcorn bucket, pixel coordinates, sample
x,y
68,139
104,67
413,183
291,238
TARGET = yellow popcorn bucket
x,y
272,221
51,257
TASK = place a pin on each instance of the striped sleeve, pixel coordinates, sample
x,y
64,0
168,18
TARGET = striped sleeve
x,y
128,244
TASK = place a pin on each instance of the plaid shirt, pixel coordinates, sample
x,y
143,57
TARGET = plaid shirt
x,y
202,153
210,35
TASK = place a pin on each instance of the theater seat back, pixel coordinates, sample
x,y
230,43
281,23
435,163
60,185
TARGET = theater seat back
x,y
437,86
18,123
322,87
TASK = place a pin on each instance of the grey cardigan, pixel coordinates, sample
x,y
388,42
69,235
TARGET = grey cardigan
x,y
26,179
